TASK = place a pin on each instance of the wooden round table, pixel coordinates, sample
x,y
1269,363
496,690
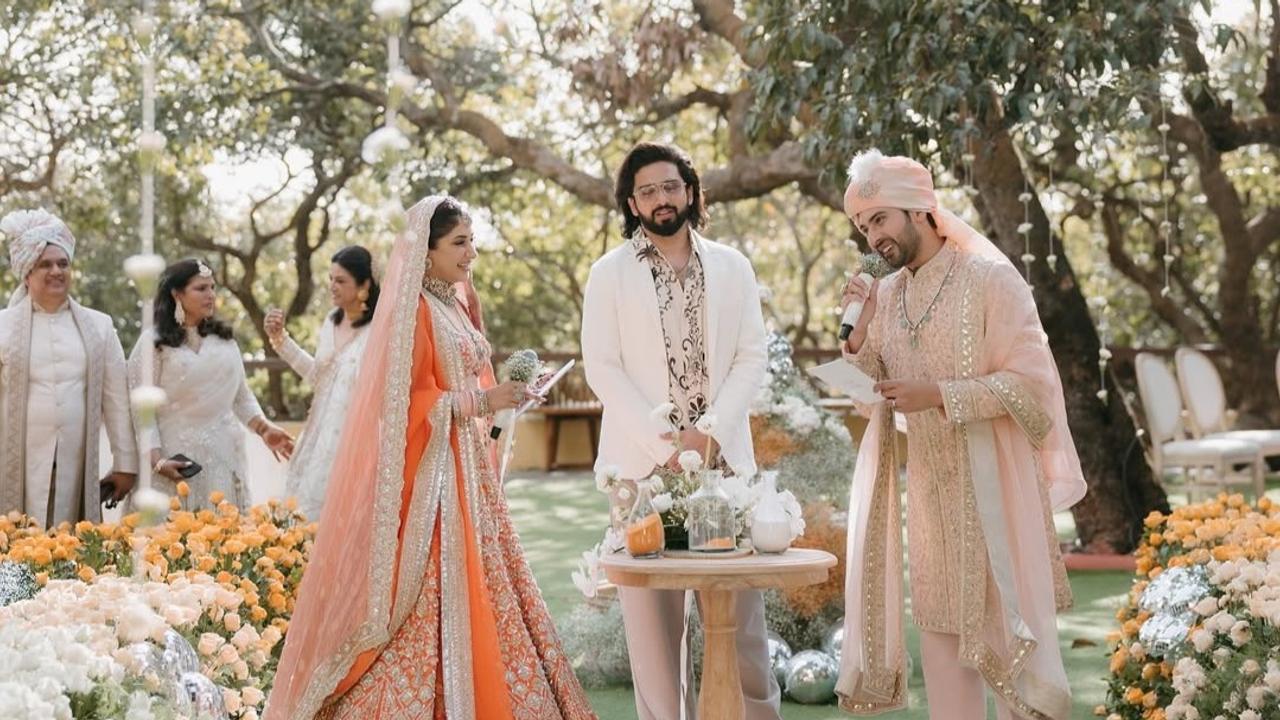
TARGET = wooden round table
x,y
720,697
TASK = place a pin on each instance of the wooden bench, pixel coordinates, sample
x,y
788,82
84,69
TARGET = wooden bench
x,y
554,415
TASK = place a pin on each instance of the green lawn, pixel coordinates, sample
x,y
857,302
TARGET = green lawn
x,y
560,514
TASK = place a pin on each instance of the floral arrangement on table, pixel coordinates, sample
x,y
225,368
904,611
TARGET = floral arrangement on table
x,y
225,580
809,446
1200,634
813,455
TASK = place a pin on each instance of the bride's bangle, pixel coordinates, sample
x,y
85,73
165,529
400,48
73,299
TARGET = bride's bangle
x,y
482,403
155,469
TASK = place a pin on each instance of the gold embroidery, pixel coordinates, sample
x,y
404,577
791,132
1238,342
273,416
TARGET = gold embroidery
x,y
1021,405
374,631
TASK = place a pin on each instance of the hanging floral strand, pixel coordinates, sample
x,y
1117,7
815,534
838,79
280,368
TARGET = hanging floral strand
x,y
1024,228
1166,225
385,146
146,267
1052,257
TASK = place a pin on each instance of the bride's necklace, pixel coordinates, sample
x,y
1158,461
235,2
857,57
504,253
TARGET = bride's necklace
x,y
913,328
442,289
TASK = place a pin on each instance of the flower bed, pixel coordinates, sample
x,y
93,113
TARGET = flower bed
x,y
1200,634
225,580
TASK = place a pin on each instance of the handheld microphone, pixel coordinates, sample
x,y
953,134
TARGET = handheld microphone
x,y
851,314
871,267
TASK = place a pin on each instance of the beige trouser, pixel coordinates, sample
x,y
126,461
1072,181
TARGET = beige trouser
x,y
654,622
954,691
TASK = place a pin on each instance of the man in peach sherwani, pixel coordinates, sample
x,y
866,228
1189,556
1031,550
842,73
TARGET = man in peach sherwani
x,y
954,340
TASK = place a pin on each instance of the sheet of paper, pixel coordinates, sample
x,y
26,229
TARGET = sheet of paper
x,y
846,378
543,388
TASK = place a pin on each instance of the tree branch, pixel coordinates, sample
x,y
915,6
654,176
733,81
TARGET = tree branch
x,y
1264,228
1148,280
668,107
1271,88
718,18
1216,116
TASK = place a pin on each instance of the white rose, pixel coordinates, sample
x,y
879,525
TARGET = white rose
x,y
605,477
656,485
1202,640
663,502
209,644
1220,622
231,699
690,461
624,494
1272,678
706,424
1256,696
1206,607
1250,667
1240,633
662,414
1250,715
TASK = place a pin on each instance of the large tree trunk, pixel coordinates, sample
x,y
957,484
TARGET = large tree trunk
x,y
1249,375
1121,488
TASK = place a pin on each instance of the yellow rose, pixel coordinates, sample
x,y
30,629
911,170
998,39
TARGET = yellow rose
x,y
86,573
258,614
1133,695
175,551
216,497
183,489
42,578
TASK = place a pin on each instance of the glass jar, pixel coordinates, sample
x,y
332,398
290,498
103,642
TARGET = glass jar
x,y
643,531
770,526
712,526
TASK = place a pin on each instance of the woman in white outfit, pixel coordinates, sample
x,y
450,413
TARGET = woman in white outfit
x,y
331,373
199,367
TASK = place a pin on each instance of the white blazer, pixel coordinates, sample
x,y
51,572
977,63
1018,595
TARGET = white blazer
x,y
626,365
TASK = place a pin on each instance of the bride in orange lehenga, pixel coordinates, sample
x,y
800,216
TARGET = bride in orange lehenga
x,y
417,601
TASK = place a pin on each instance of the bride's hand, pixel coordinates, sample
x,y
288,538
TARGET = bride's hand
x,y
507,395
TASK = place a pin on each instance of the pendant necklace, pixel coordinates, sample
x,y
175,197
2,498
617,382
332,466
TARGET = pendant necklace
x,y
913,328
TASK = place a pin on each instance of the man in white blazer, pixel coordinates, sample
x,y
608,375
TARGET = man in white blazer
x,y
672,317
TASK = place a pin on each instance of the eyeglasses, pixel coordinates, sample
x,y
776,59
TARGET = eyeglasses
x,y
670,188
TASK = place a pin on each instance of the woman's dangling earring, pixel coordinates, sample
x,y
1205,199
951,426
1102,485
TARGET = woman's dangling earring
x,y
179,314
363,297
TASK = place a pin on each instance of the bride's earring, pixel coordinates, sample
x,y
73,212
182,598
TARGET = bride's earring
x,y
179,314
363,297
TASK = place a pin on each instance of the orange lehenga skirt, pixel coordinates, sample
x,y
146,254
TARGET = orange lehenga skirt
x,y
519,668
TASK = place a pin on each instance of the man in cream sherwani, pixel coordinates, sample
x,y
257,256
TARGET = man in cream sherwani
x,y
62,377
672,317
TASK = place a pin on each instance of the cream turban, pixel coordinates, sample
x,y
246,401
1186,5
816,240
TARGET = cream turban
x,y
876,181
29,232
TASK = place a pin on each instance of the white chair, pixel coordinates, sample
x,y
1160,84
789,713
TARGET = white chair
x,y
1210,461
1207,403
